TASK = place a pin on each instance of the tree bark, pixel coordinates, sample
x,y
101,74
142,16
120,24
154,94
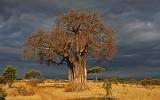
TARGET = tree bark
x,y
70,73
77,75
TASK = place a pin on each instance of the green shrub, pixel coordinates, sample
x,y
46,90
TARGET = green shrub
x,y
9,75
3,94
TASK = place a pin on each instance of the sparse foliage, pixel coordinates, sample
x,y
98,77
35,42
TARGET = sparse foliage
x,y
76,36
107,85
9,74
33,74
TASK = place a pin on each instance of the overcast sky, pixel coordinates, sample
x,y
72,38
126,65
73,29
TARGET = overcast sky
x,y
135,22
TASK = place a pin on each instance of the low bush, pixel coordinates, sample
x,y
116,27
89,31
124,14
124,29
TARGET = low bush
x,y
146,83
3,94
108,88
2,80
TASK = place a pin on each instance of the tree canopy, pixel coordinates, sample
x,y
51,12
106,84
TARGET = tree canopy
x,y
33,74
9,74
74,34
95,69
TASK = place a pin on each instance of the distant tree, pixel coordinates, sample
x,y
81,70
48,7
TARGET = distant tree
x,y
75,36
27,75
147,83
9,74
33,74
96,70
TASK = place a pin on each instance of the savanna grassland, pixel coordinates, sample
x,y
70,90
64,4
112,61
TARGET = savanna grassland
x,y
58,90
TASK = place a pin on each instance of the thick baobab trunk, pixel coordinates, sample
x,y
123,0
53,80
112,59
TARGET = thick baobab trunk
x,y
77,75
77,70
70,73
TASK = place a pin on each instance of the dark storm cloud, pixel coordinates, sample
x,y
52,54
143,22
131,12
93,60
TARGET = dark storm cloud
x,y
135,22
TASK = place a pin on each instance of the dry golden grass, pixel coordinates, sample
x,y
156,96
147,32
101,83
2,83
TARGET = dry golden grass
x,y
49,91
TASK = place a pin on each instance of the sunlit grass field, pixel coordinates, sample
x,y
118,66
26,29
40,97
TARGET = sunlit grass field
x,y
57,90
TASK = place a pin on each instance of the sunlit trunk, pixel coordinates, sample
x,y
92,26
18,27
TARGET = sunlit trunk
x,y
70,73
77,75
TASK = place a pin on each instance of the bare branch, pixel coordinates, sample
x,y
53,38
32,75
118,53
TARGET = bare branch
x,y
75,34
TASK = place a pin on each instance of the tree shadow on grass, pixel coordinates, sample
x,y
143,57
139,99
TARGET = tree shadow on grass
x,y
94,98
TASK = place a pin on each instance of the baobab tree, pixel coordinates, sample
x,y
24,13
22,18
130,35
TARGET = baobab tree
x,y
75,37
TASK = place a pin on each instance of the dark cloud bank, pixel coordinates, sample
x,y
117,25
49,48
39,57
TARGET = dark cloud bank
x,y
136,23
